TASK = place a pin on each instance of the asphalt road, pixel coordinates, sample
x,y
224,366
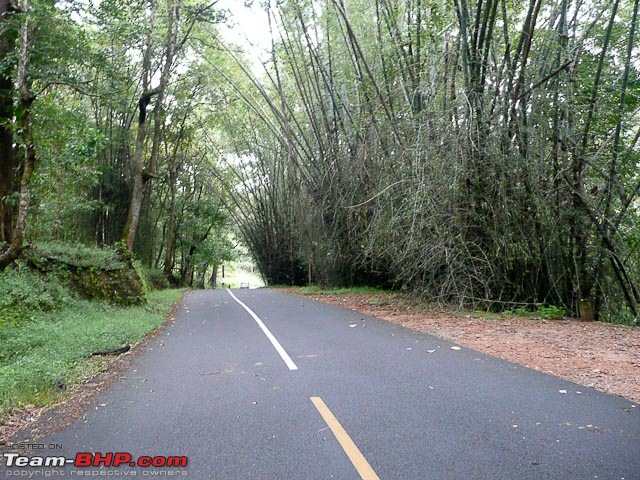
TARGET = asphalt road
x,y
323,392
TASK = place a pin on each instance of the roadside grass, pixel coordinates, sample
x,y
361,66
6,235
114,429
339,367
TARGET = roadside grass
x,y
414,303
539,312
313,290
41,357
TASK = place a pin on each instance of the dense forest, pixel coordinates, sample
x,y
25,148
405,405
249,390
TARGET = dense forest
x,y
475,152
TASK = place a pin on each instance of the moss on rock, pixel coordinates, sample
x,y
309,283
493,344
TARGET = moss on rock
x,y
93,273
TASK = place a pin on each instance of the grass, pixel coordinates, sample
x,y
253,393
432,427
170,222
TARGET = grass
x,y
544,312
55,347
339,291
550,312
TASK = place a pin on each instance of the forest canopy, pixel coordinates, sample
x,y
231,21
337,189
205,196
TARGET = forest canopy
x,y
476,152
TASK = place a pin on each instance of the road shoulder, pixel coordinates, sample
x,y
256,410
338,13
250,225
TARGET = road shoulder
x,y
29,423
593,354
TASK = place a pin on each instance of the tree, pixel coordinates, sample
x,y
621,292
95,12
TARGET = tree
x,y
42,37
8,164
482,164
26,151
178,30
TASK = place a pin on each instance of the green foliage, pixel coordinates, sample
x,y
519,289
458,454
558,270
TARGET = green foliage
x,y
79,255
154,279
59,45
120,287
381,148
620,316
140,271
25,294
547,312
395,146
106,273
313,290
43,280
67,170
55,346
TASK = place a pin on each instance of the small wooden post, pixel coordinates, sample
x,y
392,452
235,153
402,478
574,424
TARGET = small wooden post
x,y
586,310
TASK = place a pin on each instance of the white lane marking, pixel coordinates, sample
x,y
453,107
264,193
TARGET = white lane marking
x,y
274,341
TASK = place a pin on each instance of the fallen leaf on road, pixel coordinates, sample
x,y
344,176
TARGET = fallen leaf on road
x,y
589,427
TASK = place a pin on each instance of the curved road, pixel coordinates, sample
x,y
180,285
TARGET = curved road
x,y
256,384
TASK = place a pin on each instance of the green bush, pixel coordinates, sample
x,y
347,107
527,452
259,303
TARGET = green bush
x,y
547,312
25,294
313,290
154,279
79,255
621,316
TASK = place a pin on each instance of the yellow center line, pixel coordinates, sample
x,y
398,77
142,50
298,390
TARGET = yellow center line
x,y
359,462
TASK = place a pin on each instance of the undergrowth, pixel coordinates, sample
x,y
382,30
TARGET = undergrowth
x,y
99,258
40,357
546,312
24,295
312,290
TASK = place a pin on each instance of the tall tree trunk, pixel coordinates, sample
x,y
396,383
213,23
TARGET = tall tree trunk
x,y
8,159
143,175
137,190
23,120
174,166
168,258
213,281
